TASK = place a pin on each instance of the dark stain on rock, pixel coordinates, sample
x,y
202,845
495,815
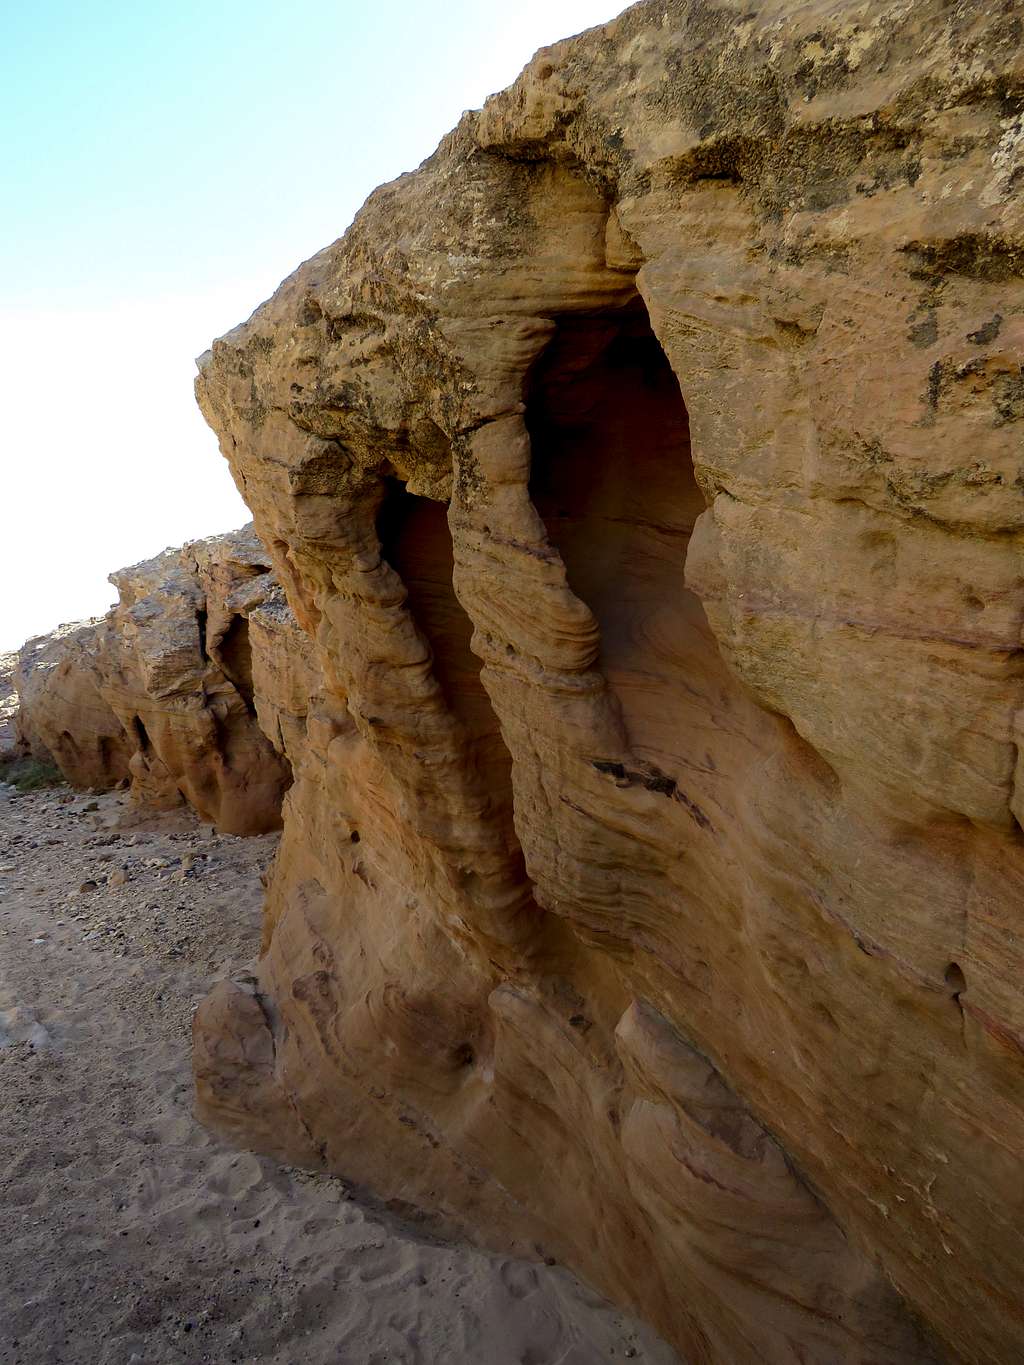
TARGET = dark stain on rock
x,y
988,332
975,255
934,385
924,333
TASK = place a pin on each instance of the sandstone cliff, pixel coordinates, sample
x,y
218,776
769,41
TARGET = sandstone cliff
x,y
645,471
161,691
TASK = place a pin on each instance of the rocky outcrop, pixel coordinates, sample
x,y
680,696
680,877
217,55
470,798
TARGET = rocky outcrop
x,y
8,707
161,691
645,472
62,715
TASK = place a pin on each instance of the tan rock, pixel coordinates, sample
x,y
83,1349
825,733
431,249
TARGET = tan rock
x,y
645,473
161,689
62,714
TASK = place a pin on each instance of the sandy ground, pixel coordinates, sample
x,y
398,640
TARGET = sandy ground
x,y
131,1236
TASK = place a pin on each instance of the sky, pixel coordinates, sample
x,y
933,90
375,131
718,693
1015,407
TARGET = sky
x,y
165,165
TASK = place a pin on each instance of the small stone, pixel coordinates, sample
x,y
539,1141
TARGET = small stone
x,y
88,885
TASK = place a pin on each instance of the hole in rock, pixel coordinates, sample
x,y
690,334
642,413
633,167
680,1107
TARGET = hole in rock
x,y
613,479
201,617
955,980
142,735
463,1055
416,541
236,660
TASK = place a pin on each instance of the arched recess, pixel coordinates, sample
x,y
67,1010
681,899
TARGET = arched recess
x,y
612,477
234,654
416,541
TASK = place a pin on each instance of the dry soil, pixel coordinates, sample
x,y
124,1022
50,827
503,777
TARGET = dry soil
x,y
131,1236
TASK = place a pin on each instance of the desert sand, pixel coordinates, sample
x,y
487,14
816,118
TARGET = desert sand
x,y
131,1236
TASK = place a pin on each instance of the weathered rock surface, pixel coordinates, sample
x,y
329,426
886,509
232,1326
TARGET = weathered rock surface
x,y
61,713
8,705
161,690
646,473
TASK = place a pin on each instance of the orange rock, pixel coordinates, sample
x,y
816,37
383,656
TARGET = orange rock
x,y
644,472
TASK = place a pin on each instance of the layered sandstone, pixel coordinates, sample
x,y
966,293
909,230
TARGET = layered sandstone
x,y
161,691
645,472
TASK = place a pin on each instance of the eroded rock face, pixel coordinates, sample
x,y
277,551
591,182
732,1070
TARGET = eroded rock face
x,y
61,713
644,471
8,706
162,689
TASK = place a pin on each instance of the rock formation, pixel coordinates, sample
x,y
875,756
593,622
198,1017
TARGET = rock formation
x,y
8,707
61,712
161,691
645,472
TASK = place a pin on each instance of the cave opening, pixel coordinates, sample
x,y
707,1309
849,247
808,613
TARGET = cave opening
x,y
416,542
142,736
955,980
235,658
613,479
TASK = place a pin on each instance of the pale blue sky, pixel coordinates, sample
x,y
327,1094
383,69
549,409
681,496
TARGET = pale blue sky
x,y
164,167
